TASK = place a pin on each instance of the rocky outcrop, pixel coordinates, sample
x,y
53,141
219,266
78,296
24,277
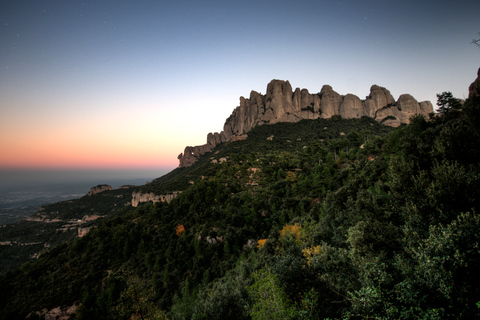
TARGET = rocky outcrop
x,y
474,89
281,104
59,313
138,197
191,154
98,189
83,231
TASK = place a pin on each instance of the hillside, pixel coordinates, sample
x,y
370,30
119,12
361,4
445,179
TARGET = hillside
x,y
317,219
56,223
66,220
281,137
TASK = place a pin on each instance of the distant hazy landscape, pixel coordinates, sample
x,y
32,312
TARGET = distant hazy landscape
x,y
23,192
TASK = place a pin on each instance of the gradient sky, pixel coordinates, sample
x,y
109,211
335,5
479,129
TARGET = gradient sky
x,y
128,84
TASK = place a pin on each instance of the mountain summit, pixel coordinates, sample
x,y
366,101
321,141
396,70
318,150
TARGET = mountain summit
x,y
282,104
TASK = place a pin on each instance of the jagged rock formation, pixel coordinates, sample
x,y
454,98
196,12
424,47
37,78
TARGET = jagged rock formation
x,y
98,189
191,154
282,104
474,89
138,197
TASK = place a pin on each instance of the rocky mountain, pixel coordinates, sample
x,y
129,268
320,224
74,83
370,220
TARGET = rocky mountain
x,y
282,104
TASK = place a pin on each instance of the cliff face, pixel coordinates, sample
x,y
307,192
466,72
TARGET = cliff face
x,y
98,189
282,104
474,89
138,197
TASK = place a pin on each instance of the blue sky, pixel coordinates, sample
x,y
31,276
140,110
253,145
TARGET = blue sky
x,y
129,84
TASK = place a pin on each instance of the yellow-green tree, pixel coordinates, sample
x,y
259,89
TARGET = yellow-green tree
x,y
269,299
293,231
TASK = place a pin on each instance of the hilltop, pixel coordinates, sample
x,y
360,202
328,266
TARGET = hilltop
x,y
281,104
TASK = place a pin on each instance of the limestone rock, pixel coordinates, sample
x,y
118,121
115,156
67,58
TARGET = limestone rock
x,y
98,189
409,107
329,102
138,197
281,104
215,138
191,154
240,137
474,88
352,107
244,117
408,104
426,107
389,116
58,313
297,100
279,100
379,98
83,231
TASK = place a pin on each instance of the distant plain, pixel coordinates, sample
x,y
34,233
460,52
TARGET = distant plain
x,y
23,192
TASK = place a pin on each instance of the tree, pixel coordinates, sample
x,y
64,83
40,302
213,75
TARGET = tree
x,y
269,299
180,229
136,301
448,263
446,102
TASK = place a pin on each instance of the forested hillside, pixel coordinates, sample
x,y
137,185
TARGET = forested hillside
x,y
338,219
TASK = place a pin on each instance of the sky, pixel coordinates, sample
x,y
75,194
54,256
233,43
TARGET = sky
x,y
128,84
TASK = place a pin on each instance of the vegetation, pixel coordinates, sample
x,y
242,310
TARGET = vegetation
x,y
56,223
374,223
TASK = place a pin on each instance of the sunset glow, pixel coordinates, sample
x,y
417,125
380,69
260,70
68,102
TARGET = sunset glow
x,y
110,85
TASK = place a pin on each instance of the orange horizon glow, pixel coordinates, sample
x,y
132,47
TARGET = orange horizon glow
x,y
74,147
106,136
69,157
77,161
109,166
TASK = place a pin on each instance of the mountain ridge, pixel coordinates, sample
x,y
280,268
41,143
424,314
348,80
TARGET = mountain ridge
x,y
282,104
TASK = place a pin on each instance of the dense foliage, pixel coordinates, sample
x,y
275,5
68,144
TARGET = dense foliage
x,y
364,224
29,237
